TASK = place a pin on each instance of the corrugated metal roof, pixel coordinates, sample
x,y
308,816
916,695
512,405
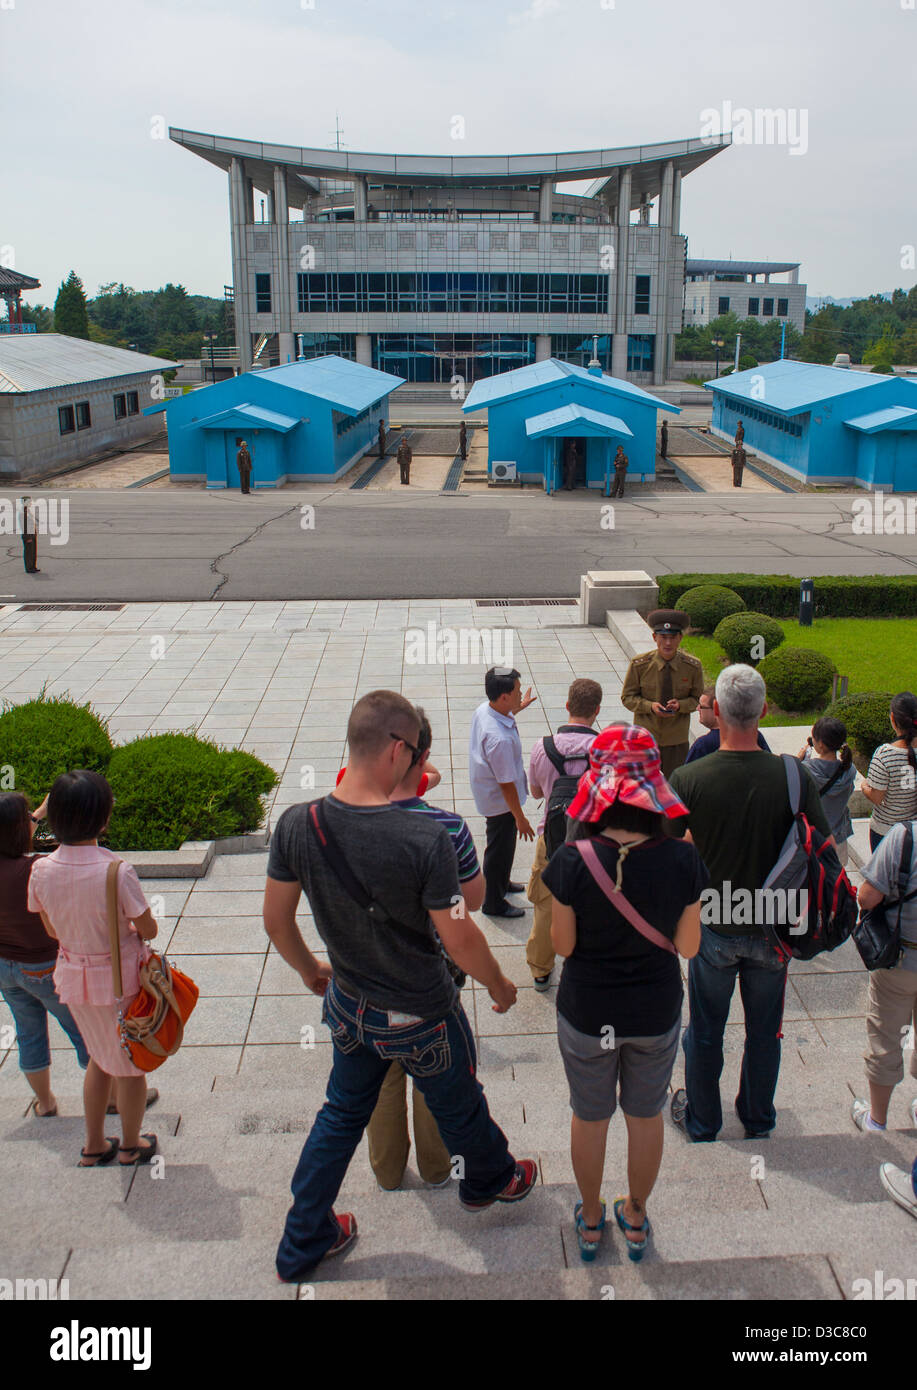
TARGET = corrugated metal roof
x,y
793,387
41,361
256,414
895,417
349,386
560,419
537,375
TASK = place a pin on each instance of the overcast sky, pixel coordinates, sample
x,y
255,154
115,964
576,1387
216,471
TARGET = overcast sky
x,y
83,81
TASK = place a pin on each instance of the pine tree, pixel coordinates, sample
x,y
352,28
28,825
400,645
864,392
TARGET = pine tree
x,y
70,313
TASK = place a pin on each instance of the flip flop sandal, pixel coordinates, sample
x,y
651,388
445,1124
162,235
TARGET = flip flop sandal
x,y
587,1248
636,1249
152,1097
98,1159
47,1115
143,1155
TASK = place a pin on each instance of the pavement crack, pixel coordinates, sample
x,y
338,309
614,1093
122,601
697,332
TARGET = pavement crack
x,y
256,531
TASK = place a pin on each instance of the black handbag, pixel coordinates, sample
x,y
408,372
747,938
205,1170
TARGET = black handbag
x,y
877,937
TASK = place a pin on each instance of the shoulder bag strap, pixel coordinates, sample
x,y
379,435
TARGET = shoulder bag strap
x,y
553,755
831,780
793,782
591,860
111,907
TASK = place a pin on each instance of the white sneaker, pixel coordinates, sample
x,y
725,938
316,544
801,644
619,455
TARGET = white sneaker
x,y
898,1185
859,1113
913,1114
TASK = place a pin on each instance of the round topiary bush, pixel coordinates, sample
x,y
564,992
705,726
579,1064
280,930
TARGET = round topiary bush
x,y
796,678
748,636
708,604
170,788
866,717
45,737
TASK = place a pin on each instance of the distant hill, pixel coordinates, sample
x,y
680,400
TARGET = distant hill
x,y
814,302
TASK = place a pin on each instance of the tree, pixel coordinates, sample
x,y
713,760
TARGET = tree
x,y
71,315
40,315
883,353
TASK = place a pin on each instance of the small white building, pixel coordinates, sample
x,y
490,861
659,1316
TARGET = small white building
x,y
65,401
748,289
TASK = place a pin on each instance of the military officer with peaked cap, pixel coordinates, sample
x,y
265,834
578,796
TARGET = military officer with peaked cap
x,y
664,686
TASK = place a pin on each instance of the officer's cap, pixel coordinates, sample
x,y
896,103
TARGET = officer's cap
x,y
668,620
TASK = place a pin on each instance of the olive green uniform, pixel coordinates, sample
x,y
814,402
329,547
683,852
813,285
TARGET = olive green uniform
x,y
644,686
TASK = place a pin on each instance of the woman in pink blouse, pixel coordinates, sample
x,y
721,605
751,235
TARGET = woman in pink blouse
x,y
68,889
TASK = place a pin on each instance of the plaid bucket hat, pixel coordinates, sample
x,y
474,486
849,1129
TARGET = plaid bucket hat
x,y
624,765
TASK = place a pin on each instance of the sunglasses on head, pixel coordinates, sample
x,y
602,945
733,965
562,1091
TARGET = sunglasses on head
x,y
416,753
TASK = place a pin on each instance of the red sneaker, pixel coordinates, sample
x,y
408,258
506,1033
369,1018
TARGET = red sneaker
x,y
347,1234
523,1180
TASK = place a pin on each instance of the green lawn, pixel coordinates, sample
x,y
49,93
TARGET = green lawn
x,y
874,653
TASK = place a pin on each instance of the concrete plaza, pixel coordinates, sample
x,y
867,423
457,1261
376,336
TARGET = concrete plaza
x,y
799,1216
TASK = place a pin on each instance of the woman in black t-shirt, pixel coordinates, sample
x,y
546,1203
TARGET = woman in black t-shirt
x,y
620,996
28,956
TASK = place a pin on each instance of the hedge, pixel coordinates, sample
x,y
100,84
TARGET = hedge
x,y
170,788
836,595
797,678
46,736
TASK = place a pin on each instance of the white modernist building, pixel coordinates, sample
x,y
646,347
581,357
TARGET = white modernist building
x,y
431,267
748,289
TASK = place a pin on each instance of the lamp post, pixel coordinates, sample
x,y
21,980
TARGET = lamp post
x,y
210,335
718,343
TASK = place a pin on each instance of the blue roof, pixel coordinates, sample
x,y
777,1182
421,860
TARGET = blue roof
x,y
538,375
894,417
249,415
557,422
793,387
349,386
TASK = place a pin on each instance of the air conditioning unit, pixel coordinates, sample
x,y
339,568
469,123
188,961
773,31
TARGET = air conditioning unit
x,y
504,471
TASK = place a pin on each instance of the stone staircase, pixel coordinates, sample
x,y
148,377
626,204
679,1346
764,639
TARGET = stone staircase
x,y
798,1216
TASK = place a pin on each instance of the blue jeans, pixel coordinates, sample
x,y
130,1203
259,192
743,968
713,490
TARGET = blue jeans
x,y
711,981
29,991
440,1056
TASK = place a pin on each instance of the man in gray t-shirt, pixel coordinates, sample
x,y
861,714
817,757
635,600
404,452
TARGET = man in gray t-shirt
x,y
388,994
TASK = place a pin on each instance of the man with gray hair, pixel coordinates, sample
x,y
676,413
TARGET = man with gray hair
x,y
739,815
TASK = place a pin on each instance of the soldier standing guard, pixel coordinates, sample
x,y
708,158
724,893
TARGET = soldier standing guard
x,y
244,465
738,464
29,538
463,440
621,462
404,461
740,433
664,442
381,439
664,686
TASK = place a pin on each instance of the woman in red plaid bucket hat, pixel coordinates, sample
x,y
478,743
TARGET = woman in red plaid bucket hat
x,y
626,905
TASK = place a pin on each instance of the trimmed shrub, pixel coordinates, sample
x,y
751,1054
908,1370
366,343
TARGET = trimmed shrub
x,y
174,787
797,679
739,631
866,717
47,736
707,605
836,595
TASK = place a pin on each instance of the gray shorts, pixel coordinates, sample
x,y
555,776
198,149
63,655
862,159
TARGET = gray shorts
x,y
643,1066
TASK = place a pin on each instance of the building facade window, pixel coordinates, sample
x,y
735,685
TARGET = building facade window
x,y
641,294
723,304
120,406
65,419
792,425
783,308
83,416
767,309
641,352
441,356
454,292
754,308
133,403
262,294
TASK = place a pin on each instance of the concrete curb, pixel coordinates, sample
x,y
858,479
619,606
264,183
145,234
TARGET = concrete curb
x,y
194,857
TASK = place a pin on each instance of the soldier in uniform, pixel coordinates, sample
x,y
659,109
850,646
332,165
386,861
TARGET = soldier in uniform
x,y
29,538
664,442
244,465
664,686
381,439
738,464
404,461
569,465
621,462
463,440
740,433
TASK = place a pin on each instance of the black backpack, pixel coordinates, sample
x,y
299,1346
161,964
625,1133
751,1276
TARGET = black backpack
x,y
563,790
808,864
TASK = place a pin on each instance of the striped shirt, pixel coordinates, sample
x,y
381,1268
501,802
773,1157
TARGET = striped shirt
x,y
462,843
891,772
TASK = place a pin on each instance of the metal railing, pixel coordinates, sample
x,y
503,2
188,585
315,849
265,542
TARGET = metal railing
x,y
7,327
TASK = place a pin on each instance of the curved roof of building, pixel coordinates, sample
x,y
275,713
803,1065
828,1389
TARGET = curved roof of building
x,y
429,170
740,267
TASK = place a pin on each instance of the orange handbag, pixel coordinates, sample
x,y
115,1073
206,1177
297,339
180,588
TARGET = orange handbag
x,y
154,1025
